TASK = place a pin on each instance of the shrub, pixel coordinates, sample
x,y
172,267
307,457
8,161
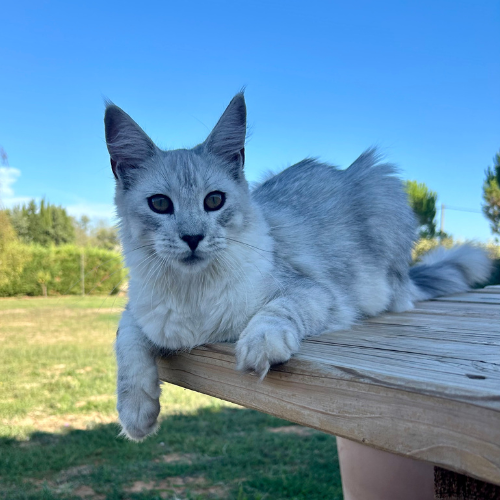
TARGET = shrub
x,y
36,270
425,245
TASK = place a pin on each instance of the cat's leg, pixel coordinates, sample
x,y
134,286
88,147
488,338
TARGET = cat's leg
x,y
138,386
275,332
404,292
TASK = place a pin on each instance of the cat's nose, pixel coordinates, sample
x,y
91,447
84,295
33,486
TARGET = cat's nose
x,y
192,240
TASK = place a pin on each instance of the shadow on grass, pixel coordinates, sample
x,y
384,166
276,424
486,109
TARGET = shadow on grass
x,y
214,453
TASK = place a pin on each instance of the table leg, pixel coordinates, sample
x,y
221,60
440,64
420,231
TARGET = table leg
x,y
370,474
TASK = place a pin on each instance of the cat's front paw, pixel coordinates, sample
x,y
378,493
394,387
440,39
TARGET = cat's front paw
x,y
264,344
138,409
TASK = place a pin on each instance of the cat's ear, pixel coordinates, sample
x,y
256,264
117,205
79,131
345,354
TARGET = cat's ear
x,y
227,139
127,143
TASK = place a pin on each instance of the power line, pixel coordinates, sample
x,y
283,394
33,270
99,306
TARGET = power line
x,y
460,209
444,207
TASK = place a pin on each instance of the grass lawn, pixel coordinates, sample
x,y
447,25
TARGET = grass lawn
x,y
59,439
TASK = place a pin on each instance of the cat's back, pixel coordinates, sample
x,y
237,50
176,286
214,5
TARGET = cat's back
x,y
310,188
305,183
337,215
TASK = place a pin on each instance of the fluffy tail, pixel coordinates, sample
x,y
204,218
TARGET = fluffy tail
x,y
443,272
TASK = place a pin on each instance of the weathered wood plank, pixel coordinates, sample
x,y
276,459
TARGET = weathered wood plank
x,y
459,310
479,297
423,384
449,433
467,329
488,289
475,382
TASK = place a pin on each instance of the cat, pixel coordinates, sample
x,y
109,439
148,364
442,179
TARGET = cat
x,y
311,249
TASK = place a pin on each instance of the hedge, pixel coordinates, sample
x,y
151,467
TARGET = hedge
x,y
425,245
36,270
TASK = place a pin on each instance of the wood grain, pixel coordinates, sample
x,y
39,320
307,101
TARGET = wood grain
x,y
474,297
423,384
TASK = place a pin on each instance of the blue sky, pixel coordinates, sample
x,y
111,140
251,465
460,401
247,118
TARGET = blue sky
x,y
328,79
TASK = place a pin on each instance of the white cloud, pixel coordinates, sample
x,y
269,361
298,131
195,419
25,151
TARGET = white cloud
x,y
96,211
15,201
8,175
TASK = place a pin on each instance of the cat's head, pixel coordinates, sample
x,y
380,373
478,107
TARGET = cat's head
x,y
182,206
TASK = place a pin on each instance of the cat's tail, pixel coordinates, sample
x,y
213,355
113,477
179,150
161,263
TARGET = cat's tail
x,y
444,272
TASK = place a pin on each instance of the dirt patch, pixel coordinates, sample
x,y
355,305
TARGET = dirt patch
x,y
5,312
84,370
63,484
139,486
292,429
72,472
99,397
186,458
55,369
56,423
88,493
165,484
179,485
67,312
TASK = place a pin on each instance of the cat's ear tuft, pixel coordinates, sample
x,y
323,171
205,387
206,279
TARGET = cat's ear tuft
x,y
128,145
227,139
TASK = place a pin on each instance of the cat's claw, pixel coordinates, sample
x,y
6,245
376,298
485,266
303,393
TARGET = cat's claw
x,y
138,410
261,347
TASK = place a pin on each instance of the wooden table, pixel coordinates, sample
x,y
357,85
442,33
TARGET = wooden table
x,y
423,384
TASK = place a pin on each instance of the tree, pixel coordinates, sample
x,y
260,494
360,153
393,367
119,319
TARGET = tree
x,y
82,230
99,235
491,194
7,232
45,224
423,202
12,255
104,236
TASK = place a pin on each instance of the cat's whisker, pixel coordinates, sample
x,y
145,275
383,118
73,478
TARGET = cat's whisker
x,y
139,248
236,267
276,280
151,262
247,244
152,271
283,227
111,293
103,280
146,260
280,286
86,275
158,274
144,264
256,249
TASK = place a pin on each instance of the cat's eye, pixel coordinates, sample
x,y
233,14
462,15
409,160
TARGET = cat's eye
x,y
214,201
161,204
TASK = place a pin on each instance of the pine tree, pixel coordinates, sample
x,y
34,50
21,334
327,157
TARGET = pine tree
x,y
46,224
423,202
491,194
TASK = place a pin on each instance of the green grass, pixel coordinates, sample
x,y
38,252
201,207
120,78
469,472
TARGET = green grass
x,y
59,439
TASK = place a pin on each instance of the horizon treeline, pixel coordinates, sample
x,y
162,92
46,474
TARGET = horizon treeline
x,y
44,251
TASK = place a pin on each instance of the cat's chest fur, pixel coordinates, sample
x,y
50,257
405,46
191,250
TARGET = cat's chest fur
x,y
182,313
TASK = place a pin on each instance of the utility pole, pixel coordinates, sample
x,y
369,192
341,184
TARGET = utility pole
x,y
4,161
3,157
442,219
82,270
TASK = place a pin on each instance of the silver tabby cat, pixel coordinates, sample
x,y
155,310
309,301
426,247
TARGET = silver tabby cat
x,y
311,249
